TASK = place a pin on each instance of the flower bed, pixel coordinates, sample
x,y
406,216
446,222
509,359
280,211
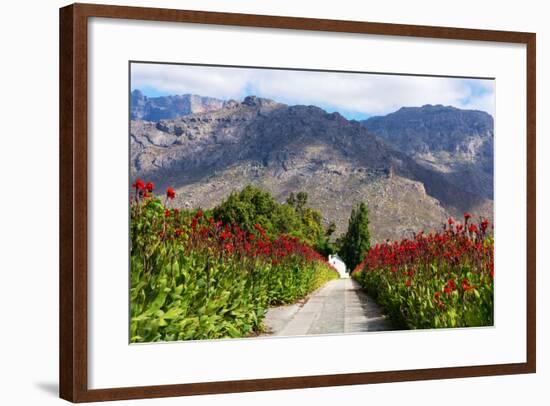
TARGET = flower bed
x,y
195,278
434,280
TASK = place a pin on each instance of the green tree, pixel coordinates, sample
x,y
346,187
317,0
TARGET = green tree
x,y
330,230
301,200
356,241
291,200
252,205
247,207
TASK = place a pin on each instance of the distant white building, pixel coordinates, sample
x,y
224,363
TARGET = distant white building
x,y
339,264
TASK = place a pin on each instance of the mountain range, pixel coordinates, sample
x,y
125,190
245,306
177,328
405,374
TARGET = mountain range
x,y
414,167
449,140
169,107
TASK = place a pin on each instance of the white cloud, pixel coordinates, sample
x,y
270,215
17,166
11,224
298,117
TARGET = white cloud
x,y
367,94
179,79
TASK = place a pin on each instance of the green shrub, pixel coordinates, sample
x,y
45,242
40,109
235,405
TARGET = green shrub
x,y
194,278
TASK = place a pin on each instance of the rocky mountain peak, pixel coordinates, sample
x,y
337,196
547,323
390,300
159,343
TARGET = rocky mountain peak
x,y
137,94
414,167
231,104
433,128
255,101
433,108
158,108
449,140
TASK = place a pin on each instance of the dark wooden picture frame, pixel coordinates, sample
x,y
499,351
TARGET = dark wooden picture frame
x,y
73,361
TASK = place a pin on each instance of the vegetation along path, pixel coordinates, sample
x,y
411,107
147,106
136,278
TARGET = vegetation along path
x,y
339,306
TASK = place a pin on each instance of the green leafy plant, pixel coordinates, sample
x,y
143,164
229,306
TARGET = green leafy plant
x,y
196,278
437,280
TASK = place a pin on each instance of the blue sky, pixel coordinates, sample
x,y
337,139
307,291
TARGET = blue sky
x,y
354,95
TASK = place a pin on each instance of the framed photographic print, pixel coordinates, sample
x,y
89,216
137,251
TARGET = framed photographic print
x,y
256,202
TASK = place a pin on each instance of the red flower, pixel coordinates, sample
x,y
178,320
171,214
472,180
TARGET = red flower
x,y
472,228
170,193
450,221
451,285
149,186
436,295
199,214
138,184
167,213
408,283
466,286
467,216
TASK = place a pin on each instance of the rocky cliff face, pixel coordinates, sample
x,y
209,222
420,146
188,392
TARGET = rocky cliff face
x,y
445,139
291,148
169,107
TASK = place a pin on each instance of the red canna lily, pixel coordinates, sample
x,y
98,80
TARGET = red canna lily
x,y
465,285
138,184
170,193
458,258
451,284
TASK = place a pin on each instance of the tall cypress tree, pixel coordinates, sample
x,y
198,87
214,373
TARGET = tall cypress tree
x,y
356,241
